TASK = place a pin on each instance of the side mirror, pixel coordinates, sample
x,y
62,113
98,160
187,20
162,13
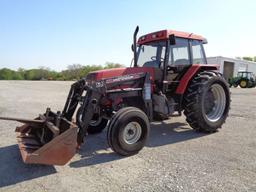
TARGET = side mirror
x,y
172,40
205,41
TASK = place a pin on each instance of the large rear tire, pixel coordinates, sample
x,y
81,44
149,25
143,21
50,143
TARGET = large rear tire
x,y
207,101
243,83
128,131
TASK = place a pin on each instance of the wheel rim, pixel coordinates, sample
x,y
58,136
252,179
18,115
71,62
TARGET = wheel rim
x,y
215,106
243,83
132,133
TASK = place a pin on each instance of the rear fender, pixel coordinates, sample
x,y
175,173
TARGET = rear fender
x,y
191,72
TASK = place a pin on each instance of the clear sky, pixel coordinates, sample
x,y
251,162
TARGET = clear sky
x,y
56,33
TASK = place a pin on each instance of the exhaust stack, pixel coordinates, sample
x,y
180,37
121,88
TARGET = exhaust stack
x,y
135,46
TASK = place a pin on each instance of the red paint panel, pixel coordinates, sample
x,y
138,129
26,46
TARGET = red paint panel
x,y
164,35
156,36
190,74
185,35
115,72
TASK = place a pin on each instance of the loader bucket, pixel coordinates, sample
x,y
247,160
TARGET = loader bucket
x,y
49,139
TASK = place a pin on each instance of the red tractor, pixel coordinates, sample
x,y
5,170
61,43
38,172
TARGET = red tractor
x,y
170,75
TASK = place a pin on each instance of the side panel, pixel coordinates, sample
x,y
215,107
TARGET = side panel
x,y
116,72
190,74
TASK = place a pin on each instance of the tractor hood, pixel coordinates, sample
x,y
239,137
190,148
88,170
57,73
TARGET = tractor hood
x,y
115,72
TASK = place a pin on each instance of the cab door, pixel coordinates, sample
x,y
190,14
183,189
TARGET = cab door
x,y
178,62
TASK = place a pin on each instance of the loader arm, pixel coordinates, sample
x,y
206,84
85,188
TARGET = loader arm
x,y
74,96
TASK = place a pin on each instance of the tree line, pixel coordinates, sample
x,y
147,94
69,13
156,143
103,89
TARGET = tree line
x,y
73,72
247,58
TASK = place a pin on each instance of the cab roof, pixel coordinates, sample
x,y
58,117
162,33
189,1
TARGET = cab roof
x,y
164,34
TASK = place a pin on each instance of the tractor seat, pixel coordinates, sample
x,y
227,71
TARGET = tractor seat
x,y
151,64
181,62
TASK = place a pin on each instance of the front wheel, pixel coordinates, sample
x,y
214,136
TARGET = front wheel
x,y
207,101
128,131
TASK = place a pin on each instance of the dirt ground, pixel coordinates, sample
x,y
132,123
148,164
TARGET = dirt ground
x,y
175,158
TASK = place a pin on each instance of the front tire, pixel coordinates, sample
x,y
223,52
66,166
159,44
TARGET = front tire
x,y
207,101
128,131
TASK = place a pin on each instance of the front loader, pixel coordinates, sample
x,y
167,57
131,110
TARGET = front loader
x,y
170,76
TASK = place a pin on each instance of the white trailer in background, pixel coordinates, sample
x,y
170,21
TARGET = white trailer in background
x,y
229,66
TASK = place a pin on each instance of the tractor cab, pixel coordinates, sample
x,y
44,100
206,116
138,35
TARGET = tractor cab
x,y
173,47
246,74
170,53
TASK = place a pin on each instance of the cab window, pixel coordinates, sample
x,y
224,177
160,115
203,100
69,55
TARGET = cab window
x,y
151,55
197,52
179,53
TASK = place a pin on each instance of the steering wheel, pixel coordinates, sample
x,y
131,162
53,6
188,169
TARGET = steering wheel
x,y
153,58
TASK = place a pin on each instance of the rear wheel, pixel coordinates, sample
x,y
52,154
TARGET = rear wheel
x,y
96,125
128,131
207,101
243,83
